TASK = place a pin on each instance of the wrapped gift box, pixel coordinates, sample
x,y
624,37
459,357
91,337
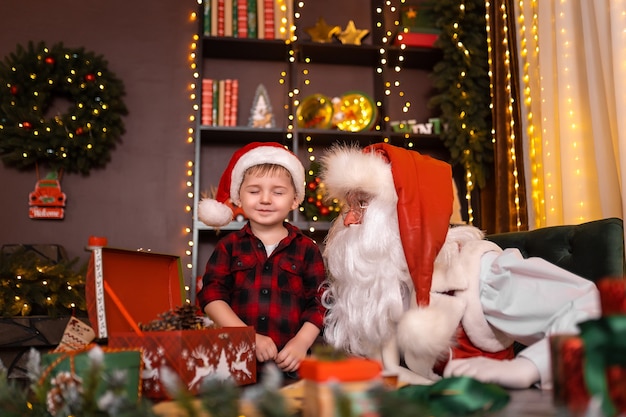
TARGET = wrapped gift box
x,y
417,39
593,363
352,377
224,353
417,23
79,364
612,295
569,381
125,288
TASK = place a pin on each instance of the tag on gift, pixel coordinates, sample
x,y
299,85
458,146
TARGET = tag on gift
x,y
77,335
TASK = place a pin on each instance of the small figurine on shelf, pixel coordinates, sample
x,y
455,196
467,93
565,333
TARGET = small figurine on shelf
x,y
351,35
261,115
322,32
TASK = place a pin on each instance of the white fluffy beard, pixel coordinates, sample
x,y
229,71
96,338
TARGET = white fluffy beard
x,y
369,285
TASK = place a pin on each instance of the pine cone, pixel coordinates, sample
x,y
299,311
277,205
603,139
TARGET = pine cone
x,y
184,317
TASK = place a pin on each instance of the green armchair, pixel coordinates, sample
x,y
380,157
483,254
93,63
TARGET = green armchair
x,y
592,250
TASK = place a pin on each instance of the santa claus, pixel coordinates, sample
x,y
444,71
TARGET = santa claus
x,y
431,300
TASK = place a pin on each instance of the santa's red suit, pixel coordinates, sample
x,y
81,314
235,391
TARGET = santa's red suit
x,y
407,288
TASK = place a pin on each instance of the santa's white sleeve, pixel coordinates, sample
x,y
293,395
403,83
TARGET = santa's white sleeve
x,y
530,299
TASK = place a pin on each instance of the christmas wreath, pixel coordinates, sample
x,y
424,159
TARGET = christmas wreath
x,y
76,140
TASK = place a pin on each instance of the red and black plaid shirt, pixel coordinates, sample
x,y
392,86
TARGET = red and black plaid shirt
x,y
275,295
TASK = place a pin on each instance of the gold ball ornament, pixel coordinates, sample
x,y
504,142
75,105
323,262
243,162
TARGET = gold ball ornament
x,y
351,35
315,112
322,32
358,112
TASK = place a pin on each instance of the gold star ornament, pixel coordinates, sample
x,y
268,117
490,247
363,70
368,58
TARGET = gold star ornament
x,y
351,35
322,32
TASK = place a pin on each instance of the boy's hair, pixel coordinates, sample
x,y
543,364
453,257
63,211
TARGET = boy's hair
x,y
262,170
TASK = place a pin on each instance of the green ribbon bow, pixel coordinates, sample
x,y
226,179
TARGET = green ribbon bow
x,y
605,344
455,396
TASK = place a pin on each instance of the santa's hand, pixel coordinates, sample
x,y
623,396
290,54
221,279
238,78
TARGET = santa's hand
x,y
516,373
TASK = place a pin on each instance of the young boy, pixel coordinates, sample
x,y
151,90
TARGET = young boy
x,y
268,274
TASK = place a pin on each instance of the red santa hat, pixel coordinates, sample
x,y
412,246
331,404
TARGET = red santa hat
x,y
422,187
217,212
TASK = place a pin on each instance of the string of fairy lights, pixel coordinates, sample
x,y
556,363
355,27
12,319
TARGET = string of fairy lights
x,y
541,132
511,139
469,181
390,85
294,93
529,45
191,131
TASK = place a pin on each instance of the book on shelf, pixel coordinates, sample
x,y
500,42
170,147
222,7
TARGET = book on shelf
x,y
213,9
228,18
228,88
268,19
234,18
207,102
290,19
220,105
216,99
283,12
260,18
221,8
206,21
234,98
252,19
220,99
242,18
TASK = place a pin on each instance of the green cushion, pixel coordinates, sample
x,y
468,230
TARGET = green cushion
x,y
592,250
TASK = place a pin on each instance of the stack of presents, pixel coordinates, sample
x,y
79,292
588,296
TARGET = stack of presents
x,y
417,24
590,368
126,288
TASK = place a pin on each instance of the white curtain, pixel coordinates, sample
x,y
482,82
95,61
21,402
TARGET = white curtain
x,y
573,90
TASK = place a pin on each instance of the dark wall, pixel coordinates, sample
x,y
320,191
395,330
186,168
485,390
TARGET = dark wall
x,y
138,200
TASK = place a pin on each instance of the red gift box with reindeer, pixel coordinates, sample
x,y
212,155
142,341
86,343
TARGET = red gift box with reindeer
x,y
222,353
125,288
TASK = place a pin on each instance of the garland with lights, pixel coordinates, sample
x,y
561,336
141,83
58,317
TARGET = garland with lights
x,y
30,285
79,139
462,79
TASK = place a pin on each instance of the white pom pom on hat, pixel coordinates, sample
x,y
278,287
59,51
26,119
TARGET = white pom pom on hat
x,y
217,212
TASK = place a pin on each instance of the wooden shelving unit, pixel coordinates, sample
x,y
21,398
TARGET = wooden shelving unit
x,y
331,68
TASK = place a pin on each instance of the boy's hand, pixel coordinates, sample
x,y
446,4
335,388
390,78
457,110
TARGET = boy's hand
x,y
289,358
265,348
